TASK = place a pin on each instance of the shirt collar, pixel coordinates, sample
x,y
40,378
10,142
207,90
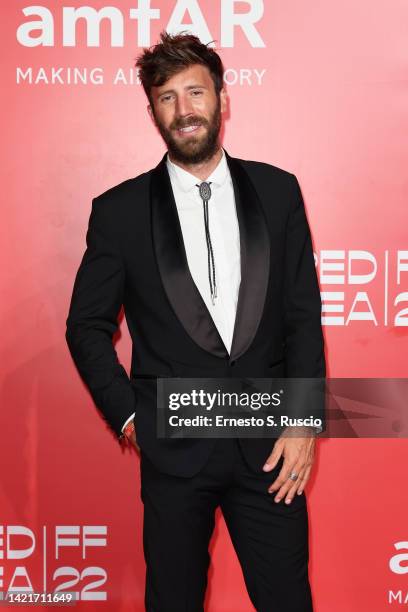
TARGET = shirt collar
x,y
187,181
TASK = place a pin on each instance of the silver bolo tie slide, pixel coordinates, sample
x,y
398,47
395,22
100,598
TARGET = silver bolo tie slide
x,y
205,194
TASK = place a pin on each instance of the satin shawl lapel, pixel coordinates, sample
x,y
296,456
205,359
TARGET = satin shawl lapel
x,y
255,259
178,283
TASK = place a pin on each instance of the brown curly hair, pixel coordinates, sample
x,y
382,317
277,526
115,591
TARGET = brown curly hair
x,y
174,53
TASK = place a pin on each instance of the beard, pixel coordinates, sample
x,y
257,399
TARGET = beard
x,y
193,149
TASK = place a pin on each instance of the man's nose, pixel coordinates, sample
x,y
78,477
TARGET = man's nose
x,y
184,106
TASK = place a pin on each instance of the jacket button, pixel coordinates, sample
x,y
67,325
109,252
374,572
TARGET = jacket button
x,y
233,362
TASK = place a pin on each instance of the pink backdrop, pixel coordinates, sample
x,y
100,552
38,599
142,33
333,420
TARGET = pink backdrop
x,y
324,97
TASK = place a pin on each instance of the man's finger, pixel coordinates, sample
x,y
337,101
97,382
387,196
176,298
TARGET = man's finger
x,y
299,484
289,487
294,485
273,458
304,479
287,467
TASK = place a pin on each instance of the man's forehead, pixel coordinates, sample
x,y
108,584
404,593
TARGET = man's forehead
x,y
195,72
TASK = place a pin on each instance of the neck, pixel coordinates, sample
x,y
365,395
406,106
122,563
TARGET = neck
x,y
202,170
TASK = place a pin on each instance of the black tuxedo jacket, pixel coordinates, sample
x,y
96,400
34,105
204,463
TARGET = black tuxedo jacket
x,y
135,257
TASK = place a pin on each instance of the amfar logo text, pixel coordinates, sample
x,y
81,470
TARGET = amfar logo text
x,y
398,564
40,31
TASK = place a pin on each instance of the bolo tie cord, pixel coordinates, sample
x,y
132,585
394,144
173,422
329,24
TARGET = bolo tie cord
x,y
205,194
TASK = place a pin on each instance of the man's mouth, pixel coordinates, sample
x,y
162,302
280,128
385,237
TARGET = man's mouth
x,y
189,129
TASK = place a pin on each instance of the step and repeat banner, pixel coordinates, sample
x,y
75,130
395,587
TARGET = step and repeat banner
x,y
316,88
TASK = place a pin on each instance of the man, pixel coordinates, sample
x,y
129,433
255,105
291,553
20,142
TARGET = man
x,y
211,257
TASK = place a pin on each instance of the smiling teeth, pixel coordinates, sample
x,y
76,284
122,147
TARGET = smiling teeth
x,y
190,128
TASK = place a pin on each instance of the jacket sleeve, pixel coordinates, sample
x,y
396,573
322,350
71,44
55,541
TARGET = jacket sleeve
x,y
304,344
302,302
92,321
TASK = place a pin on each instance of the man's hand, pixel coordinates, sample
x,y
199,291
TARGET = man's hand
x,y
132,440
130,435
298,451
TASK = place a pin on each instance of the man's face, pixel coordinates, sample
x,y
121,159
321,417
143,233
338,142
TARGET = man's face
x,y
187,113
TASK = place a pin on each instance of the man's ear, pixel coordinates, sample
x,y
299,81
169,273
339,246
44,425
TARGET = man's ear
x,y
223,99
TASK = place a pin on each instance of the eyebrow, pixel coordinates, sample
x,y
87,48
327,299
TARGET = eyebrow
x,y
187,88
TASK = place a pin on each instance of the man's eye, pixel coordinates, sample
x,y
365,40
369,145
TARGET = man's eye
x,y
166,98
196,92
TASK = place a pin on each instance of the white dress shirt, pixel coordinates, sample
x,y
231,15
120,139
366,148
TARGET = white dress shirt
x,y
224,232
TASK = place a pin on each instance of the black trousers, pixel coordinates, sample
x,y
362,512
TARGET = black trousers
x,y
270,539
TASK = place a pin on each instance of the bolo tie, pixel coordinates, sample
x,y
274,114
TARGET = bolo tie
x,y
205,194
